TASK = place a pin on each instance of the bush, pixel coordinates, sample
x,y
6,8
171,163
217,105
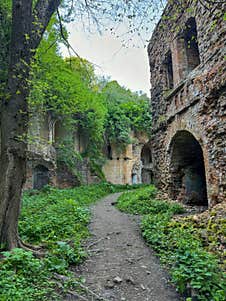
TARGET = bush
x,y
195,271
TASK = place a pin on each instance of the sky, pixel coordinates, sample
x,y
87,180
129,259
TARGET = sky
x,y
129,66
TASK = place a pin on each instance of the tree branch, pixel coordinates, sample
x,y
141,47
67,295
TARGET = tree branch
x,y
41,16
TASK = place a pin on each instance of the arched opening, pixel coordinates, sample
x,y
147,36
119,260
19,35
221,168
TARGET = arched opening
x,y
188,180
191,45
40,177
146,159
168,66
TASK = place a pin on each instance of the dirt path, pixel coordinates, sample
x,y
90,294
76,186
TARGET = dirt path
x,y
121,267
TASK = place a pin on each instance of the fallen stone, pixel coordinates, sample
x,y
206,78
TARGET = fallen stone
x,y
117,280
143,288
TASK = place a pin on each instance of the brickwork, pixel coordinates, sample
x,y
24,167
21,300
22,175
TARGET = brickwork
x,y
192,111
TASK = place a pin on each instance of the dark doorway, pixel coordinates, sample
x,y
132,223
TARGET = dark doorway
x,y
146,159
188,180
109,152
40,177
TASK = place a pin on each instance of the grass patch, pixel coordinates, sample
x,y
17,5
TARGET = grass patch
x,y
58,220
142,201
196,272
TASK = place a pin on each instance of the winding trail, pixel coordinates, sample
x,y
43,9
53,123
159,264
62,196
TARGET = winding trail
x,y
120,266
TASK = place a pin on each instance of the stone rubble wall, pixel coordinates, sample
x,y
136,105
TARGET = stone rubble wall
x,y
197,103
44,133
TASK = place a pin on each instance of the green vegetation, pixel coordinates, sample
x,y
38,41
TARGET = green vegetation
x,y
196,271
70,92
24,277
57,221
126,112
143,201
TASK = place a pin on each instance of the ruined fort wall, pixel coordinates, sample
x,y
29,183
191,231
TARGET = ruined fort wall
x,y
125,166
119,169
41,153
45,133
196,102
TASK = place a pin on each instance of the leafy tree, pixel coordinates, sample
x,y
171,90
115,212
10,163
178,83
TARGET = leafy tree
x,y
127,112
68,89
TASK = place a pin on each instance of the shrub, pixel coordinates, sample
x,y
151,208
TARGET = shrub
x,y
58,220
195,271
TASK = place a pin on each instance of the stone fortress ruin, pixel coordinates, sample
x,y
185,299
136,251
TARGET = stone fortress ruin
x,y
130,165
42,165
188,99
186,156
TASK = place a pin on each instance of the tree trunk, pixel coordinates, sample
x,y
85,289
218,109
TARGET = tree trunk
x,y
14,121
27,30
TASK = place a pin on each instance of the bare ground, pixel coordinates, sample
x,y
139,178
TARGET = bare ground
x,y
121,266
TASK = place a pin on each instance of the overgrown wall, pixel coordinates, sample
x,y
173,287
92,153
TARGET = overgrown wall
x,y
190,100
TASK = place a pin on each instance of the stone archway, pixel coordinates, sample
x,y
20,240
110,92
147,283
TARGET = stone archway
x,y
146,159
136,173
187,170
41,176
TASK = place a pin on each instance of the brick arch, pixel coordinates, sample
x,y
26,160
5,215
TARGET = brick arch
x,y
184,126
187,169
187,123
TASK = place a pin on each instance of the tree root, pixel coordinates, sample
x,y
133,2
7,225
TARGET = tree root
x,y
82,286
37,251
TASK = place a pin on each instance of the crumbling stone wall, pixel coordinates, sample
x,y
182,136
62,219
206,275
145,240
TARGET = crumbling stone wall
x,y
125,166
188,93
41,152
45,132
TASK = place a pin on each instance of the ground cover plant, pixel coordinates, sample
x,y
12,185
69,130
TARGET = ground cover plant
x,y
57,220
195,269
143,201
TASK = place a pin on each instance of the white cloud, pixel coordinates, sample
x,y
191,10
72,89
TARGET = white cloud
x,y
129,66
